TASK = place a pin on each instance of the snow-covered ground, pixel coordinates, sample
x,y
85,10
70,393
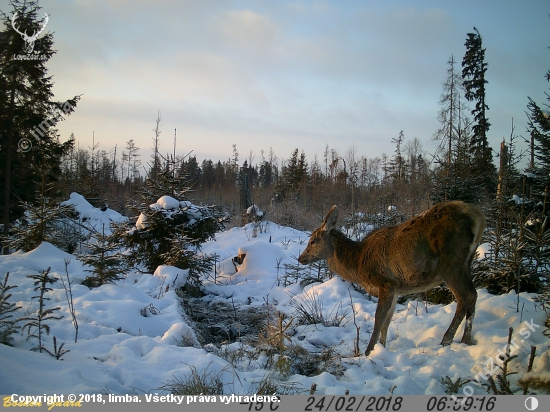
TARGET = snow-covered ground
x,y
119,350
92,217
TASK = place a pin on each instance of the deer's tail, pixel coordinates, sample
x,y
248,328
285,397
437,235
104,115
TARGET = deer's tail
x,y
478,220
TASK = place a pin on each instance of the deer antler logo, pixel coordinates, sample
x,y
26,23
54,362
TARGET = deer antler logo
x,y
29,40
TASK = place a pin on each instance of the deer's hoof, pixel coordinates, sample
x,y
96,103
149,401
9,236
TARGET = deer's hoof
x,y
446,342
369,350
469,341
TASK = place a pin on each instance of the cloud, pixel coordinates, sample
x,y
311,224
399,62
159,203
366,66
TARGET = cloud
x,y
393,47
246,31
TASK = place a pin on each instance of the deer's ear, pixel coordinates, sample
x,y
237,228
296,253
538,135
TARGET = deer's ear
x,y
331,219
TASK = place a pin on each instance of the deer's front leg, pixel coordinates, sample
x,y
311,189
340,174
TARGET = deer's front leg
x,y
387,299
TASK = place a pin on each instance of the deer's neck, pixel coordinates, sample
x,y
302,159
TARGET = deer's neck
x,y
346,261
345,257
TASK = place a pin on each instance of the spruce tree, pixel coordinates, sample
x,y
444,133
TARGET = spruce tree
x,y
106,259
7,322
45,220
397,166
169,234
36,325
539,130
266,174
30,149
453,179
473,75
294,175
130,164
509,264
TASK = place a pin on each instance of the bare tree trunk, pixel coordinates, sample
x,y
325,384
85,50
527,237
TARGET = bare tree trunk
x,y
7,189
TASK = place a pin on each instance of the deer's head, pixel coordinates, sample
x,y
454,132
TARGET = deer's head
x,y
319,246
29,40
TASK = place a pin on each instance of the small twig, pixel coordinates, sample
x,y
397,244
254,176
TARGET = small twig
x,y
356,349
69,295
234,308
531,358
313,389
530,366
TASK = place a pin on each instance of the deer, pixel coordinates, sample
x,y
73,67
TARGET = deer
x,y
435,247
29,40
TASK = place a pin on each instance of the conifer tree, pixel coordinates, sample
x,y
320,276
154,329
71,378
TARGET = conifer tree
x,y
107,262
155,156
36,325
7,323
43,221
190,168
539,129
397,165
131,163
30,147
511,260
473,74
266,174
453,179
169,229
294,175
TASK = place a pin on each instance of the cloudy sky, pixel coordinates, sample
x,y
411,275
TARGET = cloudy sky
x,y
281,74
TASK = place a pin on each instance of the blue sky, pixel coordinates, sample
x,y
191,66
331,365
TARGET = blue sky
x,y
285,74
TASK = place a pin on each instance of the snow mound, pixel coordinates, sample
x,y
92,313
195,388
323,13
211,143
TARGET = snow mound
x,y
172,276
130,333
98,219
254,211
171,207
167,203
141,222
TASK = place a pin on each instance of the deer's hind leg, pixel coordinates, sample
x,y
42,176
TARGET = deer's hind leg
x,y
460,283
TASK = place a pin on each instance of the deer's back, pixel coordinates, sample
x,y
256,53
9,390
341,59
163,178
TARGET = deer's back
x,y
412,252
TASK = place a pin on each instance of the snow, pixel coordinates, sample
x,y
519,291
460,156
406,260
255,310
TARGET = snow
x,y
141,222
516,199
93,216
483,249
168,203
254,210
171,206
129,331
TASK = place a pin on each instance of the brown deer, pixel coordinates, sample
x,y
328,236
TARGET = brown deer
x,y
434,247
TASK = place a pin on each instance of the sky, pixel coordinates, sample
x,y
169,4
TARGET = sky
x,y
285,74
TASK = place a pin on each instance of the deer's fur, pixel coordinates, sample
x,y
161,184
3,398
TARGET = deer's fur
x,y
434,247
